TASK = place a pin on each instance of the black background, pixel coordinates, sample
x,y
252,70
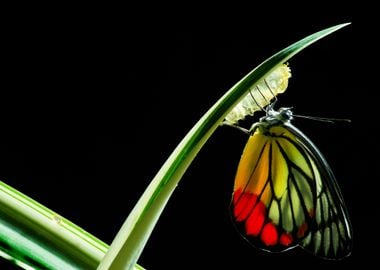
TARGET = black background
x,y
93,101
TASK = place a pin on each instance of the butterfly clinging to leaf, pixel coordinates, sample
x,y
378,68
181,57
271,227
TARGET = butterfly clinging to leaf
x,y
285,194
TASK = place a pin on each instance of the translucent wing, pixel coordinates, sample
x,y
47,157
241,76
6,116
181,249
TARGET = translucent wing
x,y
330,236
285,195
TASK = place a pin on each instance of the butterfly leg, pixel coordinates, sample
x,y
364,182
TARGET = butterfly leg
x,y
225,123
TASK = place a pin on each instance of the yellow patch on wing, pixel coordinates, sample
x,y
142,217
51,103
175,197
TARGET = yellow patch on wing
x,y
279,171
254,153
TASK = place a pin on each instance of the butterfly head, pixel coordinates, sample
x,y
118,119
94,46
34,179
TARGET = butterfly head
x,y
273,117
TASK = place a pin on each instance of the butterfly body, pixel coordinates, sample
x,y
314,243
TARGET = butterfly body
x,y
285,194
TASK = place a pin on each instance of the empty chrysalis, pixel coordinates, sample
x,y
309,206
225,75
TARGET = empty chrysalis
x,y
261,94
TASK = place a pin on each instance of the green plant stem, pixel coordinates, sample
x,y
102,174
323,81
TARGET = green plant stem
x,y
132,237
34,237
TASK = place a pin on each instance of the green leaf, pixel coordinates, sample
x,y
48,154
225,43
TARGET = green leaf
x,y
34,237
133,235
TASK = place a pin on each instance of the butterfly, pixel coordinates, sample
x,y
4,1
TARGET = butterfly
x,y
285,194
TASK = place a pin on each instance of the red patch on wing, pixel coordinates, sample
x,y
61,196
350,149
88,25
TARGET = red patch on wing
x,y
286,239
251,211
256,219
269,234
302,230
236,196
243,204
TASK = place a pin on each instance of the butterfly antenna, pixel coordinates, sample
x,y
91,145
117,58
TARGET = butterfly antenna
x,y
323,119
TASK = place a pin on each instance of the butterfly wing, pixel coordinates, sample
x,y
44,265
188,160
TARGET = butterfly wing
x,y
330,236
283,191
